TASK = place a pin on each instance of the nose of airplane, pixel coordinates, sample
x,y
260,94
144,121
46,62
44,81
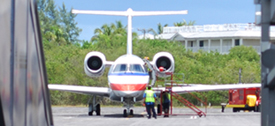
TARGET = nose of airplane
x,y
128,94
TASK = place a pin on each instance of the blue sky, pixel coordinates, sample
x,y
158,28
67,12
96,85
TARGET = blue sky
x,y
201,11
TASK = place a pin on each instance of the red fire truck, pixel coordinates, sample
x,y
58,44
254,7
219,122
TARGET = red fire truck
x,y
244,99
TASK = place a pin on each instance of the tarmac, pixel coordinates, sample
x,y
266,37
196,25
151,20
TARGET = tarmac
x,y
112,116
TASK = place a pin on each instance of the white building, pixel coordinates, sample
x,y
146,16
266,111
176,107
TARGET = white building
x,y
219,38
146,36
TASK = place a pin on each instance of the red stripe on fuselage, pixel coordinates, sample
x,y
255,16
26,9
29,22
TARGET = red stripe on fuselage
x,y
128,87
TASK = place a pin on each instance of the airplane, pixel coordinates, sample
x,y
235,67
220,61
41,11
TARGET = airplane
x,y
128,77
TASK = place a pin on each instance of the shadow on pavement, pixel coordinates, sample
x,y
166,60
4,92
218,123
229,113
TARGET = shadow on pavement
x,y
121,116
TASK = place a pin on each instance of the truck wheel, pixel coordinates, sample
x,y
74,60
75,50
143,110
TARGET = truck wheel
x,y
235,110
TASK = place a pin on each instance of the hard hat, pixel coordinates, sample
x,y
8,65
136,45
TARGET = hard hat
x,y
161,69
146,57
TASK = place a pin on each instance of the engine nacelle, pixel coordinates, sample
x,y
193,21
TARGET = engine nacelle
x,y
165,60
94,64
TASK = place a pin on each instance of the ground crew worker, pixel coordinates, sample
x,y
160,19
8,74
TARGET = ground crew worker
x,y
148,69
149,99
166,98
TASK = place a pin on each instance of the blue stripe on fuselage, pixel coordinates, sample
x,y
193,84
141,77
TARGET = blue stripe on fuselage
x,y
129,74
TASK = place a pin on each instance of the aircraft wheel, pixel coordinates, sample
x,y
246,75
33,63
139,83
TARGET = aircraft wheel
x,y
90,113
124,113
98,109
131,112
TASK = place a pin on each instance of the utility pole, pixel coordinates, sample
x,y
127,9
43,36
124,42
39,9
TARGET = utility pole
x,y
144,31
240,75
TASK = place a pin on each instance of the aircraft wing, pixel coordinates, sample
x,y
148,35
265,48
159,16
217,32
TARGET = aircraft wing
x,y
199,88
101,91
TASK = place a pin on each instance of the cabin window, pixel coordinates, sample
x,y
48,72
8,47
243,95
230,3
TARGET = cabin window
x,y
192,44
136,68
120,68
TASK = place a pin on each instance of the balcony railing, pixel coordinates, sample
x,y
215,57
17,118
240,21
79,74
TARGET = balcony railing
x,y
258,48
225,49
216,27
215,48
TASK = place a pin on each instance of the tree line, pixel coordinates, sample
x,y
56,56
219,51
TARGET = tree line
x,y
64,55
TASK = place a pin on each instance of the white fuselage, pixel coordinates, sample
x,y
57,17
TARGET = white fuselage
x,y
128,78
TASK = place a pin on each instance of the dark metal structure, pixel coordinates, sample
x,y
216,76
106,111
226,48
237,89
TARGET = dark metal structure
x,y
267,18
24,95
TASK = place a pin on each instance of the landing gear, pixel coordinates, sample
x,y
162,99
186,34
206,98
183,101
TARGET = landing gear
x,y
124,113
90,113
97,109
131,112
93,106
128,103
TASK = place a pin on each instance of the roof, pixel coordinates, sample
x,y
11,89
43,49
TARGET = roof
x,y
147,36
165,36
222,34
210,31
213,31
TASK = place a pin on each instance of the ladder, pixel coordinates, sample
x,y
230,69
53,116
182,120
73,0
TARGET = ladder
x,y
180,98
153,72
188,104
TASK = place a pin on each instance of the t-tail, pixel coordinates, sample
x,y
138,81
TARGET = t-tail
x,y
129,13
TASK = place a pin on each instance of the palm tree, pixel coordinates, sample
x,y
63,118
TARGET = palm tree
x,y
119,28
184,23
160,28
109,30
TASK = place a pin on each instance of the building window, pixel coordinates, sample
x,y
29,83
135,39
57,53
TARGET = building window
x,y
237,42
201,43
191,43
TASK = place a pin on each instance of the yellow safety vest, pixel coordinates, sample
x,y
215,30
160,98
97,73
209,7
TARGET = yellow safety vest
x,y
149,96
168,96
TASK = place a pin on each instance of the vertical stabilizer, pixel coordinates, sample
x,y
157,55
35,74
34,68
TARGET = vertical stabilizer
x,y
129,13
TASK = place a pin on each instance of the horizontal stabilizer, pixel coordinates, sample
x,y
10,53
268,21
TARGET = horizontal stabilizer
x,y
129,12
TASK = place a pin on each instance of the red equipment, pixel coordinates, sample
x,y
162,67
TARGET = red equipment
x,y
161,69
244,99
